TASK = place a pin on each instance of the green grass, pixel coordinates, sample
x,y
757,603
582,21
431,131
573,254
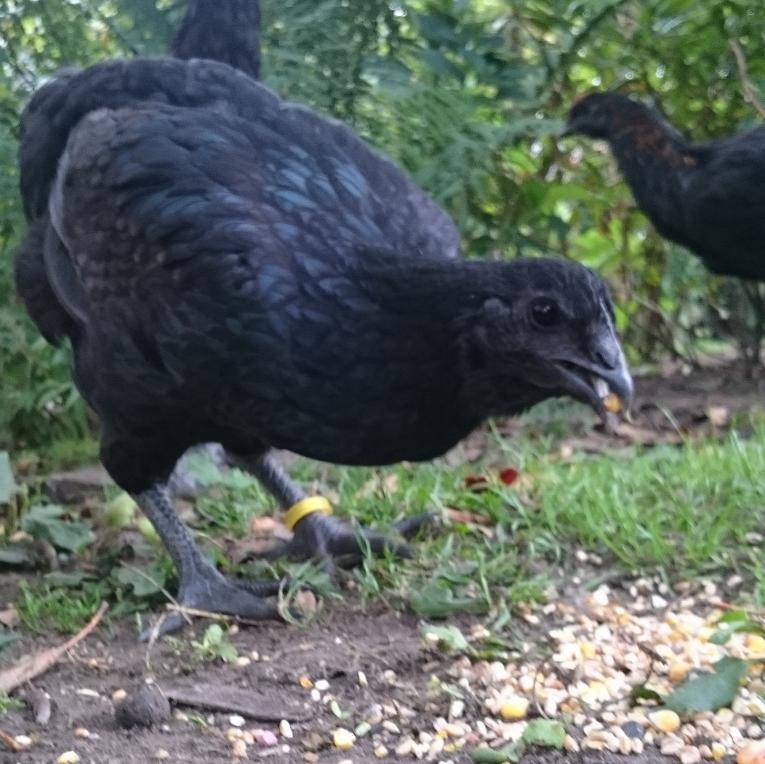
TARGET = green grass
x,y
42,608
678,511
687,510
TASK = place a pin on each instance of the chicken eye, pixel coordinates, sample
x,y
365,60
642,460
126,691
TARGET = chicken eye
x,y
545,312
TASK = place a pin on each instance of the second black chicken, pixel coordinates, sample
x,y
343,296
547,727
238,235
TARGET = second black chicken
x,y
704,196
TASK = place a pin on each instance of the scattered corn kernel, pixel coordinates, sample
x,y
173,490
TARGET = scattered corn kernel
x,y
239,749
678,672
718,751
305,682
343,739
588,649
613,403
755,643
380,751
665,720
515,707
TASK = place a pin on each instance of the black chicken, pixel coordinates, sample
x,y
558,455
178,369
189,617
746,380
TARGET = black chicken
x,y
233,268
705,196
221,30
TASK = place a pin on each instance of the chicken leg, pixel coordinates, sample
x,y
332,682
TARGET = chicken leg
x,y
202,586
321,536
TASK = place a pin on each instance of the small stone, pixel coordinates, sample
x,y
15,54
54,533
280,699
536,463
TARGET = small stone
x,y
144,708
637,745
322,685
718,751
405,747
235,720
285,729
119,695
751,753
665,720
68,757
391,727
456,709
81,732
343,739
363,681
243,661
690,755
239,749
161,754
633,729
514,708
232,733
671,745
380,751
265,738
23,741
362,729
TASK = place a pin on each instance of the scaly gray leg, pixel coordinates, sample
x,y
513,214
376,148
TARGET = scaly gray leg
x,y
320,536
202,586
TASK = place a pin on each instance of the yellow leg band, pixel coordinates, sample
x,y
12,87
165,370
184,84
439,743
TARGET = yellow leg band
x,y
304,507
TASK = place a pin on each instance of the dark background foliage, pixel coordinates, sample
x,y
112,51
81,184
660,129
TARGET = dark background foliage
x,y
468,95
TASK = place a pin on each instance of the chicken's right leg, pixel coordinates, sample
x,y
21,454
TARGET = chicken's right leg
x,y
202,586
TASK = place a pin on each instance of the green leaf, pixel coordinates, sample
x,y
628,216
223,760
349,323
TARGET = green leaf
x,y
8,486
15,554
213,635
437,600
513,752
641,692
43,521
709,691
143,583
448,638
735,622
69,580
545,732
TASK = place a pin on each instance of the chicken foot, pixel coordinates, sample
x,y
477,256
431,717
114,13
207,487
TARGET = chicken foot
x,y
325,537
202,586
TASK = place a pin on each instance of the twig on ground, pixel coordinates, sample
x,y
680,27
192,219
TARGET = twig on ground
x,y
10,742
749,91
31,666
190,611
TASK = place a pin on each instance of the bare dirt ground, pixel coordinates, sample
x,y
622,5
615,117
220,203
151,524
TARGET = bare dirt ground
x,y
385,646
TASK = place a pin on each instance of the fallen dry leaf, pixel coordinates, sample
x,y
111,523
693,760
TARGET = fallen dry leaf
x,y
269,528
10,742
469,518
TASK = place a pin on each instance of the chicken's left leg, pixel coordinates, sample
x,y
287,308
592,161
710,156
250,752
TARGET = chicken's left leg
x,y
320,535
